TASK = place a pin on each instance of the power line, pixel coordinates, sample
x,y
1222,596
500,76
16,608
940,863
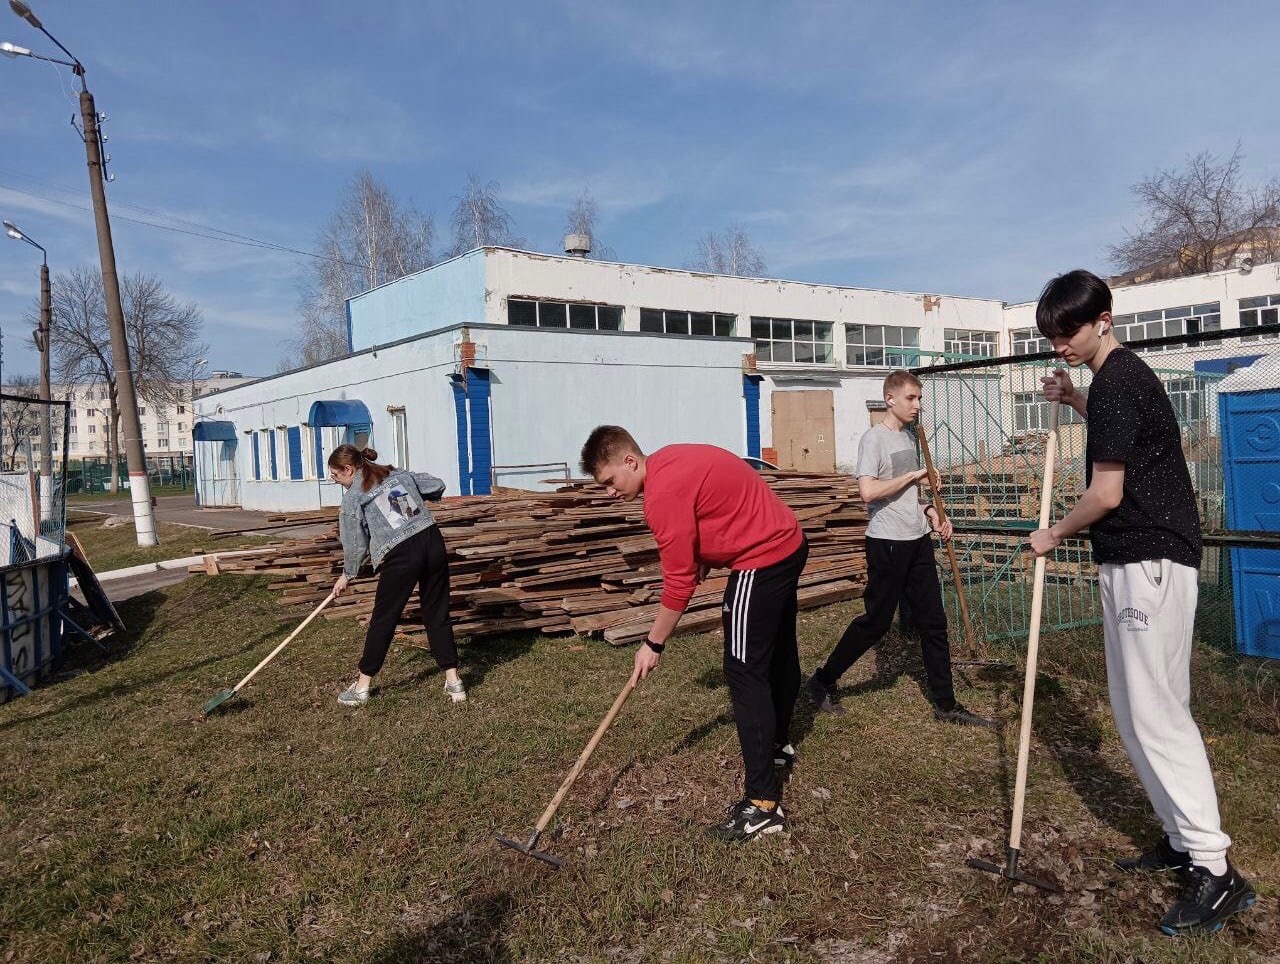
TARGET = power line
x,y
218,234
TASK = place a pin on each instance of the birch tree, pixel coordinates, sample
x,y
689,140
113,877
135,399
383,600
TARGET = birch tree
x,y
732,252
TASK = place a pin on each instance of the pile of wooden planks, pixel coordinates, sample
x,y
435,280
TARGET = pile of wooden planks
x,y
571,561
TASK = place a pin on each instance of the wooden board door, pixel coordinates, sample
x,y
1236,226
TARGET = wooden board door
x,y
804,428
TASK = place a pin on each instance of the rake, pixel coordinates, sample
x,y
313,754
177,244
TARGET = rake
x,y
225,695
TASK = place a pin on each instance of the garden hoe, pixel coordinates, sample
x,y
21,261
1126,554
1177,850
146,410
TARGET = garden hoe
x,y
225,695
1010,869
544,821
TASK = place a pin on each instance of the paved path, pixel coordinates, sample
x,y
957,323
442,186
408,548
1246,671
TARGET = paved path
x,y
182,510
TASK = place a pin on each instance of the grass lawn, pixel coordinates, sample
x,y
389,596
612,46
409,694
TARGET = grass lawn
x,y
287,828
88,498
117,547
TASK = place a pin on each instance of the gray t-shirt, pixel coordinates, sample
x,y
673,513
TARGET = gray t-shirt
x,y
884,454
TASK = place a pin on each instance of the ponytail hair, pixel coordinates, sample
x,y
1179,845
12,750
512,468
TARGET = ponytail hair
x,y
365,460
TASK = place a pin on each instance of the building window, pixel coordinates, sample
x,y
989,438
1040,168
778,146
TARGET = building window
x,y
1031,413
881,345
1027,341
667,322
162,443
792,340
93,430
182,409
73,430
1187,320
142,410
91,413
963,341
1187,396
563,314
1259,311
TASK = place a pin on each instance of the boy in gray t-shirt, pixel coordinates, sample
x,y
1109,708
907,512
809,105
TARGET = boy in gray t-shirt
x,y
900,561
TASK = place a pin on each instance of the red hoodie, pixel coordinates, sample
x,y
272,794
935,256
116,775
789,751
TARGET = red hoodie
x,y
706,505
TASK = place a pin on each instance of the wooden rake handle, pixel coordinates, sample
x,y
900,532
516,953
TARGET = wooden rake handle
x,y
1033,635
272,655
970,637
596,737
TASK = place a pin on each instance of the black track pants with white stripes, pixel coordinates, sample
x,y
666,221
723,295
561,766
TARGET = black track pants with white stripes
x,y
762,664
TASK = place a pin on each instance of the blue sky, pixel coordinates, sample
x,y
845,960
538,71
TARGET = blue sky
x,y
970,149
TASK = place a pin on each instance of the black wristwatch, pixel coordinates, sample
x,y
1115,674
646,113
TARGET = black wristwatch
x,y
656,647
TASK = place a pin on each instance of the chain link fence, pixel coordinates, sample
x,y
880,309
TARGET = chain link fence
x,y
987,426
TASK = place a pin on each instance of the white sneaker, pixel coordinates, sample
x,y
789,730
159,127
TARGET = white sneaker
x,y
455,691
353,697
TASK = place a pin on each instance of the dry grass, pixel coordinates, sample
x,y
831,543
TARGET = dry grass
x,y
287,828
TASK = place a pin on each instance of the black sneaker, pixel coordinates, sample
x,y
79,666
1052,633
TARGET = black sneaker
x,y
784,758
1207,901
822,695
961,717
1159,858
745,821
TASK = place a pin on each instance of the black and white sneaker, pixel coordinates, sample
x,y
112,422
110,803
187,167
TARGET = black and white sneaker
x,y
822,695
1158,859
1207,901
745,821
961,717
784,758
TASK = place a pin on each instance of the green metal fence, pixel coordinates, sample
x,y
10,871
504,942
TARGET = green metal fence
x,y
987,425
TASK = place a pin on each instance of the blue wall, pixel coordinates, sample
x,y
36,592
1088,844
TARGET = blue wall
x,y
451,293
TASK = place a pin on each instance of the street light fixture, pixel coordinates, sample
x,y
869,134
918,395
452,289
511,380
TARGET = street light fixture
x,y
130,424
41,337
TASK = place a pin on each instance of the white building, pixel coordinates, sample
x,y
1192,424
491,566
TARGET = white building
x,y
478,367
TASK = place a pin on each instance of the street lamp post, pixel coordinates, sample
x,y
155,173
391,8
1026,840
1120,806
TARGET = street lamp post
x,y
139,487
41,336
198,364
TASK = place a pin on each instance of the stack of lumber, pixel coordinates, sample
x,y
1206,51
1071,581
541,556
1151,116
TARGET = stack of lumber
x,y
571,561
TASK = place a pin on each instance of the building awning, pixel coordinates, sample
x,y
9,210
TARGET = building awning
x,y
343,411
214,432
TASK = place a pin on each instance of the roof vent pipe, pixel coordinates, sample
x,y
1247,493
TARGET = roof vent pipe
x,y
577,245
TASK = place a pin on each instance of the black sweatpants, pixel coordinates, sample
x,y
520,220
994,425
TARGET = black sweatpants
x,y
899,570
762,664
420,560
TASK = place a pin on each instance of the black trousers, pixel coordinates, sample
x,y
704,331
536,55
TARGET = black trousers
x,y
762,664
420,560
899,570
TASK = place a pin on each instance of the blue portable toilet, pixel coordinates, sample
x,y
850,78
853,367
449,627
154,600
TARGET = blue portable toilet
x,y
1249,409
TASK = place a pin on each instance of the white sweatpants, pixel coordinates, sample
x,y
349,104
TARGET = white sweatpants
x,y
1148,615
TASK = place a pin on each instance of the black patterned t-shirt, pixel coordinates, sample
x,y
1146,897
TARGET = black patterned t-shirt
x,y
1131,421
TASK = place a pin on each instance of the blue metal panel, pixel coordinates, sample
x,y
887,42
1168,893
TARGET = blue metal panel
x,y
271,454
1251,469
214,432
257,459
1224,366
350,341
339,412
751,395
294,433
481,440
460,414
318,434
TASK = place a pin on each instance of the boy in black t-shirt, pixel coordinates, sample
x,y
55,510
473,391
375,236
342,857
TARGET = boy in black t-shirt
x,y
1145,529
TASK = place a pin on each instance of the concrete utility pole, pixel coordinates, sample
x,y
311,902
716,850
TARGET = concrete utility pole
x,y
131,425
41,335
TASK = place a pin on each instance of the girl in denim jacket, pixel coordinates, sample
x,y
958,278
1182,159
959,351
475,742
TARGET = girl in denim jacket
x,y
383,516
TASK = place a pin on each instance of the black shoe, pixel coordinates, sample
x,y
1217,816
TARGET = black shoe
x,y
784,757
1159,858
1207,901
822,695
745,821
961,717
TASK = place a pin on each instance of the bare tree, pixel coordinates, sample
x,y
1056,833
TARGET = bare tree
x,y
732,253
479,219
163,335
21,418
1198,219
580,218
371,238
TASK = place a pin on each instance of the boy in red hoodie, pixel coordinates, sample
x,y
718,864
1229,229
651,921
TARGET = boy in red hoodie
x,y
707,508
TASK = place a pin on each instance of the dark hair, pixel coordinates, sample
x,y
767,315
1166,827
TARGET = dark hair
x,y
1071,301
895,380
363,459
604,444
